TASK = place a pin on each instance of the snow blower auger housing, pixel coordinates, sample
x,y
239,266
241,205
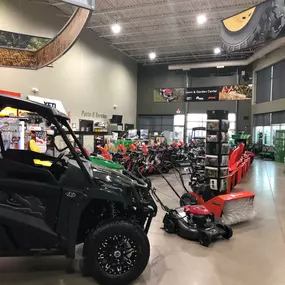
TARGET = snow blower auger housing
x,y
51,210
193,223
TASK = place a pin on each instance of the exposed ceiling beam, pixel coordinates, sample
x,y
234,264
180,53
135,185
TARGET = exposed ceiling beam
x,y
165,39
140,7
172,16
175,45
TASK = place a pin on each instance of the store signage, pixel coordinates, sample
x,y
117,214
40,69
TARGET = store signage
x,y
93,115
89,4
49,102
201,94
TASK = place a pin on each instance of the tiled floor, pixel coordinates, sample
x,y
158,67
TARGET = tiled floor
x,y
255,254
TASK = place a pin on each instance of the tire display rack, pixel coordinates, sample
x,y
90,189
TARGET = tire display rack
x,y
217,151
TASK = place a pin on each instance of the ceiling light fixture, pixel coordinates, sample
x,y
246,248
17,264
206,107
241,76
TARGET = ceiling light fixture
x,y
217,50
220,66
116,28
152,55
201,19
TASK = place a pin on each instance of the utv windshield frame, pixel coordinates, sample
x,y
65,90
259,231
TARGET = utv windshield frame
x,y
53,116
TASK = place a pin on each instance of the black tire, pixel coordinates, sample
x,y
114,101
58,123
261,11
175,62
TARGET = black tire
x,y
116,253
187,199
205,239
169,225
263,25
228,231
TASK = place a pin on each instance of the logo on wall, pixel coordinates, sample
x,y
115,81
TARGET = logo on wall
x,y
202,94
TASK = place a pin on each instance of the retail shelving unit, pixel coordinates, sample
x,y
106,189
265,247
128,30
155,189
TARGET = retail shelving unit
x,y
216,162
279,143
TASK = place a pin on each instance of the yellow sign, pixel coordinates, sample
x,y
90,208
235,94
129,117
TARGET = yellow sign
x,y
8,112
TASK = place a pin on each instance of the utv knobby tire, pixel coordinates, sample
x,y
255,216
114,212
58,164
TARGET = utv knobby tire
x,y
261,27
97,240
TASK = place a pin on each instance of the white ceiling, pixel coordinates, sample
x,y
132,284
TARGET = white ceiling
x,y
168,27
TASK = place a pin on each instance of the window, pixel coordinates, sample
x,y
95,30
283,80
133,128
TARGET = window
x,y
264,85
156,123
200,120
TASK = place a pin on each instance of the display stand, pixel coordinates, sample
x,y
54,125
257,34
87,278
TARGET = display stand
x,y
216,162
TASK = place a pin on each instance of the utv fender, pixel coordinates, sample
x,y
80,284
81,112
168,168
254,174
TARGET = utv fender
x,y
110,194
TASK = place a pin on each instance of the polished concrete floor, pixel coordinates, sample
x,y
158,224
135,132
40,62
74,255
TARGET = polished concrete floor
x,y
255,254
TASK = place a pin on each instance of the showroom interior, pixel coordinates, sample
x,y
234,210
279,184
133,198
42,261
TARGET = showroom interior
x,y
142,142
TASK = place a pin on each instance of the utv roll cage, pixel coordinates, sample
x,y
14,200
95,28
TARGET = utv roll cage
x,y
53,116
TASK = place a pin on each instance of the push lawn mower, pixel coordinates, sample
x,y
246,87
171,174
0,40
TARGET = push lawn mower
x,y
193,222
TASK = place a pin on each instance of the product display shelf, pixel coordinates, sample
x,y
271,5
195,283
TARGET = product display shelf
x,y
279,144
217,158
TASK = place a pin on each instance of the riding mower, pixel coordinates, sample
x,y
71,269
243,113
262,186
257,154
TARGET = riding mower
x,y
51,210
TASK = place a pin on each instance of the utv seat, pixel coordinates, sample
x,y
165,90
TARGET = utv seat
x,y
14,169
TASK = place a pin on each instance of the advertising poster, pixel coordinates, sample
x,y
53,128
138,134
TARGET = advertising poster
x,y
167,95
218,93
254,26
21,41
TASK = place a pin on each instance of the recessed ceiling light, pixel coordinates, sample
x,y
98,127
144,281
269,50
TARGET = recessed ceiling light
x,y
116,28
217,50
201,19
152,55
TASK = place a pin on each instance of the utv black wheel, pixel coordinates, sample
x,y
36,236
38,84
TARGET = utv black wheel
x,y
228,231
169,225
205,239
118,253
187,199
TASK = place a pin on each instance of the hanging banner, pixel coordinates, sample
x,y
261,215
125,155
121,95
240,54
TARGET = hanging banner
x,y
218,93
167,95
89,4
202,94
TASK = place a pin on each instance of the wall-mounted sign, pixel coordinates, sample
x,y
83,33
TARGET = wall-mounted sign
x,y
93,115
202,94
166,95
49,102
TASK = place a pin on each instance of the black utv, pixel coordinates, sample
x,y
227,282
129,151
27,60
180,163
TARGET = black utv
x,y
49,210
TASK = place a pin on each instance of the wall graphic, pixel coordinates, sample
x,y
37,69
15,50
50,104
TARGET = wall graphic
x,y
254,26
21,41
203,94
166,95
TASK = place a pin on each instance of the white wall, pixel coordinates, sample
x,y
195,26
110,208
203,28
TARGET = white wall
x,y
90,77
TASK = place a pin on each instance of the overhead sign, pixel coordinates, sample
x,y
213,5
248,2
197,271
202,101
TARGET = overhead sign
x,y
218,93
202,94
49,102
89,4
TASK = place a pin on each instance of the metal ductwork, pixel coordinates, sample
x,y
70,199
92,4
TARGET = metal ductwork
x,y
257,55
